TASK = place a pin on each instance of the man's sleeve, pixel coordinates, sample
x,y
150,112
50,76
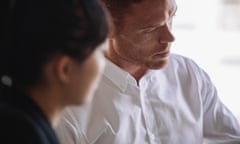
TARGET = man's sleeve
x,y
68,134
220,125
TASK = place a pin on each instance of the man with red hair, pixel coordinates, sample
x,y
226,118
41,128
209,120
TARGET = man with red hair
x,y
147,94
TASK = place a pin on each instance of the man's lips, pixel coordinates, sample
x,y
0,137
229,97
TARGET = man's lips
x,y
161,54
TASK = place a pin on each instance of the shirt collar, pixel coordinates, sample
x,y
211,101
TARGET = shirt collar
x,y
118,76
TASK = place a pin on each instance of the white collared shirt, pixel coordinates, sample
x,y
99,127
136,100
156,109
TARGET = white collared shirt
x,y
174,105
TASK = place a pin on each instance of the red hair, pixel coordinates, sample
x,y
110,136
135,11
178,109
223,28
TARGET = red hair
x,y
118,9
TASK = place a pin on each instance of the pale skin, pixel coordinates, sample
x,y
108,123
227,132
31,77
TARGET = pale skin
x,y
67,82
145,39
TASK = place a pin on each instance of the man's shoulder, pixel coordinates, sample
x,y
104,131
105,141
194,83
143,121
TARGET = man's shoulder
x,y
177,58
182,62
182,66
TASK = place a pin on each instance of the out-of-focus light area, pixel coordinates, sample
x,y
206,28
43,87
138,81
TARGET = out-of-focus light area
x,y
208,31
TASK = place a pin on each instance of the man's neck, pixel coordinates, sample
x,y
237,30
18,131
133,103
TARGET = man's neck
x,y
135,70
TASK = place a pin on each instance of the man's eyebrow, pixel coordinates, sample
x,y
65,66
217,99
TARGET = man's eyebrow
x,y
157,25
147,28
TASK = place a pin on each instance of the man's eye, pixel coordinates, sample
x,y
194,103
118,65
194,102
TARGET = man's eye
x,y
149,30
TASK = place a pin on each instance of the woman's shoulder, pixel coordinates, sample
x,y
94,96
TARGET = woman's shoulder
x,y
18,127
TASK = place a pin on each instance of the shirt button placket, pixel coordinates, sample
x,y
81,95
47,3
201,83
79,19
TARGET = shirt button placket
x,y
146,113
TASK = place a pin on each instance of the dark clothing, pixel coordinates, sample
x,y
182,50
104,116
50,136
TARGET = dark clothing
x,y
22,121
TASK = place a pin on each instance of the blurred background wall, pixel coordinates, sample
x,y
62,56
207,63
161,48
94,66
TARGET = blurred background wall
x,y
208,31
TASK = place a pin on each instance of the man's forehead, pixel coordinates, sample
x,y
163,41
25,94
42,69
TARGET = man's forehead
x,y
149,4
148,11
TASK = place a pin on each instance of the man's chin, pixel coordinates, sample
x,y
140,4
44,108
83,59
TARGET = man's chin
x,y
158,65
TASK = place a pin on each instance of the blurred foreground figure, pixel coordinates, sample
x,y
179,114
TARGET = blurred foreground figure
x,y
49,59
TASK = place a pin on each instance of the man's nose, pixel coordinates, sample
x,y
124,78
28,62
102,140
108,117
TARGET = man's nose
x,y
166,35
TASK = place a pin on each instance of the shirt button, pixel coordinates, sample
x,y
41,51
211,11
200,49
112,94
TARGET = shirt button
x,y
152,136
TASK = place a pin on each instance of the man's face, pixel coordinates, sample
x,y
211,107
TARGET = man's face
x,y
146,36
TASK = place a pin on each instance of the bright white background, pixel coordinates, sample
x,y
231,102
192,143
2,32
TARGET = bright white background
x,y
208,31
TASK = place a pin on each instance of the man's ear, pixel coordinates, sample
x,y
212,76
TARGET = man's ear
x,y
64,67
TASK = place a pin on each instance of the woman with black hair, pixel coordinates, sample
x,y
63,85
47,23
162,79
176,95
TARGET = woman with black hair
x,y
48,60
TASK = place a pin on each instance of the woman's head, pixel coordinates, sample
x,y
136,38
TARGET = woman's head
x,y
45,37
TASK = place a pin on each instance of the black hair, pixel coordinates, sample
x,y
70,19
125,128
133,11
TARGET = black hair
x,y
33,31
